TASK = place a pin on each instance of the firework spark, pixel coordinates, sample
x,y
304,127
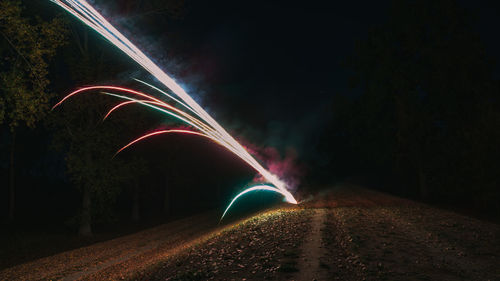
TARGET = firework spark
x,y
201,120
178,131
250,189
156,104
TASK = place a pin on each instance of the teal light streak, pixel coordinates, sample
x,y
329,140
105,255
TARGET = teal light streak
x,y
250,189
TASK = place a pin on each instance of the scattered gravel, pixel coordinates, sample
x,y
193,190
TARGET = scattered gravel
x,y
401,240
261,248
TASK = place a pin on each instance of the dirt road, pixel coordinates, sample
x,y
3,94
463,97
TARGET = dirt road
x,y
373,236
347,233
142,248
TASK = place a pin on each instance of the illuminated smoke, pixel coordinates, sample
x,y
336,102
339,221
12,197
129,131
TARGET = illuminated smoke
x,y
199,119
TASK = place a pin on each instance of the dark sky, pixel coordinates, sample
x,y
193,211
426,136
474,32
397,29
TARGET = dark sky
x,y
292,51
267,70
487,21
270,68
290,54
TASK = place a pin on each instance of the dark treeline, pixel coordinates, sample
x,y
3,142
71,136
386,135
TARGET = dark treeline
x,y
425,119
57,165
421,121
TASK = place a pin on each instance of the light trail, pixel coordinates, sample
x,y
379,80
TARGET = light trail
x,y
179,131
250,189
207,130
104,87
88,15
166,94
125,103
170,110
161,106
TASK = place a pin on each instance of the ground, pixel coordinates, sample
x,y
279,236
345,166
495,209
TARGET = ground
x,y
345,233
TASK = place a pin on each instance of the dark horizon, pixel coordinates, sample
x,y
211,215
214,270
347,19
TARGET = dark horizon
x,y
399,97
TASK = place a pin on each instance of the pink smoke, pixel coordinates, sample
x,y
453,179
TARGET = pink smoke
x,y
287,168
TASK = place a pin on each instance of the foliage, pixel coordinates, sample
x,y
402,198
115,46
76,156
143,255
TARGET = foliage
x,y
88,142
26,48
89,157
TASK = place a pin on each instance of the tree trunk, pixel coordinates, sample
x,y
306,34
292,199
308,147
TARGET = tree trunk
x,y
166,202
12,175
85,219
135,206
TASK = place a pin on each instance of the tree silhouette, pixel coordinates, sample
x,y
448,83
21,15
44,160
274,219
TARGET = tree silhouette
x,y
427,88
26,46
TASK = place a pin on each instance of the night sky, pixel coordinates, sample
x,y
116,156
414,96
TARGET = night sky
x,y
400,97
266,71
269,70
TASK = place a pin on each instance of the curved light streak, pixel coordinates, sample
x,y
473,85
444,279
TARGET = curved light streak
x,y
125,103
165,93
250,189
105,87
165,108
169,112
161,106
87,14
167,132
208,133
288,196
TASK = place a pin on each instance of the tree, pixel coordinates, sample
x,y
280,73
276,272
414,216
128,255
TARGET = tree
x,y
426,80
87,142
26,47
90,143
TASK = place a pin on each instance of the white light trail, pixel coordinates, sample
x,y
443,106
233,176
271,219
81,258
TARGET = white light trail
x,y
87,14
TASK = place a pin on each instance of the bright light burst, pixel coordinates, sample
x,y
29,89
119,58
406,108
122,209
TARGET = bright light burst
x,y
194,115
